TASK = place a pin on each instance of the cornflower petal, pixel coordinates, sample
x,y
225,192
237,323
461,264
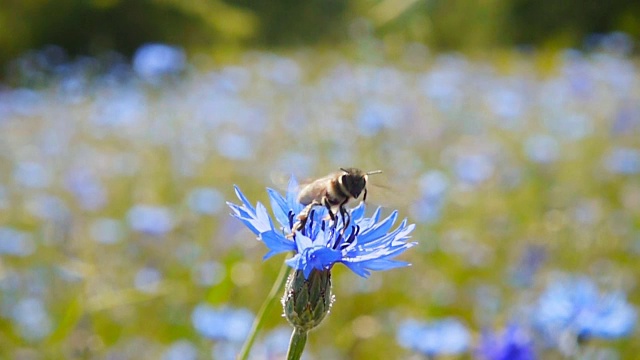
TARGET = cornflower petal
x,y
358,212
276,243
256,219
280,208
379,229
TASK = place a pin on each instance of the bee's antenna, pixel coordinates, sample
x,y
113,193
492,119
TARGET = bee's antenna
x,y
345,170
374,172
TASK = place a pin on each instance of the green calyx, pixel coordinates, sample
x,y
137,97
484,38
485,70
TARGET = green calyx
x,y
306,302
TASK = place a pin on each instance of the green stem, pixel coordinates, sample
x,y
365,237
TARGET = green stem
x,y
258,323
296,345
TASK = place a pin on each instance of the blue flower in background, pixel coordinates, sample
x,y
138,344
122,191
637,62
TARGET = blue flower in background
x,y
153,61
180,350
543,149
32,319
208,201
151,220
444,337
433,190
32,174
15,242
368,243
623,161
513,343
223,324
576,306
87,188
473,169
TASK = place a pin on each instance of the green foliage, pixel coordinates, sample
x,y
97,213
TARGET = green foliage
x,y
91,27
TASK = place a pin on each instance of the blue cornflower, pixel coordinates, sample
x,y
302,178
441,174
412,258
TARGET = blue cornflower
x,y
511,344
575,305
367,244
223,324
444,337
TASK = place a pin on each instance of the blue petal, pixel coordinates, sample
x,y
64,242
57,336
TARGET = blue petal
x,y
296,262
280,208
322,257
257,221
366,223
302,242
358,212
244,200
244,216
358,269
262,221
377,230
276,243
383,264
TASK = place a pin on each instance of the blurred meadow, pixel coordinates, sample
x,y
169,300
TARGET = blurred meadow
x,y
519,165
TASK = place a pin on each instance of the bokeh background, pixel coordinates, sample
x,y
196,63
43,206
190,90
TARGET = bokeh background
x,y
508,131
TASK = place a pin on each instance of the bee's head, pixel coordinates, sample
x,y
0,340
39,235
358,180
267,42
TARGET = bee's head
x,y
355,180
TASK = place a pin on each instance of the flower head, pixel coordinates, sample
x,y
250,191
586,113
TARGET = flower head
x,y
575,305
445,337
367,244
511,344
224,324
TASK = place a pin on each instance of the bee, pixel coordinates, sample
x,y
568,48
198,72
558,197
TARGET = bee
x,y
333,191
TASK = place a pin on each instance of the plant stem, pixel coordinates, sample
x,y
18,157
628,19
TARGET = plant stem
x,y
264,309
296,345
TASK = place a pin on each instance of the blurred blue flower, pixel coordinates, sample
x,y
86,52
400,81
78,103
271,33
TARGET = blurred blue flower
x,y
181,350
473,169
223,324
32,319
225,350
530,261
506,103
154,61
49,207
236,147
148,279
208,273
575,305
21,102
444,337
32,174
541,149
623,161
375,117
151,220
15,242
366,245
87,189
276,343
433,188
106,230
513,343
205,200
118,110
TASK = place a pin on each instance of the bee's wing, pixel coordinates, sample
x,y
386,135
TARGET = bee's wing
x,y
281,180
308,189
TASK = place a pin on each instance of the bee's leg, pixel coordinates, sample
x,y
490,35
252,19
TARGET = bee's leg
x,y
327,204
302,218
364,197
344,214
